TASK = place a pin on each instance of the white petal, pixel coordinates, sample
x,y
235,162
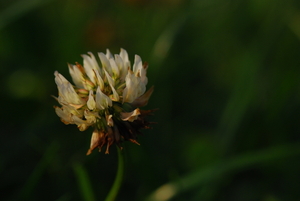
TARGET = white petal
x,y
122,69
130,116
59,79
65,117
109,79
128,93
72,110
143,99
108,54
115,95
91,117
109,120
124,56
114,68
143,74
91,104
77,75
112,83
102,101
66,91
105,62
99,80
81,124
137,64
90,63
134,88
94,141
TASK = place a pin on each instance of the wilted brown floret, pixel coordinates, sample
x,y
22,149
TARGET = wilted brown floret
x,y
121,131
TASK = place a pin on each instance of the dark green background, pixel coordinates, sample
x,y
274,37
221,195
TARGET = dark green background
x,y
226,77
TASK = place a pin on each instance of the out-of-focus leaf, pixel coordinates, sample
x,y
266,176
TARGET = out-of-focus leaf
x,y
18,9
84,183
204,175
40,168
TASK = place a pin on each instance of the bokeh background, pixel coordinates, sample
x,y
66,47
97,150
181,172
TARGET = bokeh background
x,y
226,77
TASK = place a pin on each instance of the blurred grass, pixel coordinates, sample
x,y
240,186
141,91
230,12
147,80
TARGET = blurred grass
x,y
17,9
29,187
84,183
244,91
226,76
223,168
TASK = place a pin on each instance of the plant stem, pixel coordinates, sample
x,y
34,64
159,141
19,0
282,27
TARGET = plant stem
x,y
118,181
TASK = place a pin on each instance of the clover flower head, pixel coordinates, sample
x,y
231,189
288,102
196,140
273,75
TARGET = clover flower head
x,y
106,97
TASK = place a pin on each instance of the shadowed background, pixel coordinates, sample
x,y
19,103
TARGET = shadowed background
x,y
226,77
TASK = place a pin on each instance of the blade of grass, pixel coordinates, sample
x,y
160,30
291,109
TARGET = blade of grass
x,y
166,39
84,183
38,171
243,93
202,176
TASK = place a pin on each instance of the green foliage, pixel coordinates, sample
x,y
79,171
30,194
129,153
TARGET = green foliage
x,y
83,182
226,76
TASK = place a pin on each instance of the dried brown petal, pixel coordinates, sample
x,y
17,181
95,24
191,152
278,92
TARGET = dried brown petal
x,y
143,100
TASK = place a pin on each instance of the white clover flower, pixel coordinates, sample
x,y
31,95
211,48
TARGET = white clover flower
x,y
106,97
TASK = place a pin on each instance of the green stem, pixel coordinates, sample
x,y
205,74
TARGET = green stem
x,y
118,181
